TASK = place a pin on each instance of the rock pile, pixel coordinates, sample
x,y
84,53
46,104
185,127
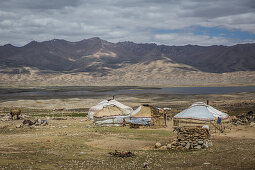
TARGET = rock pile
x,y
7,117
122,154
191,138
243,119
29,123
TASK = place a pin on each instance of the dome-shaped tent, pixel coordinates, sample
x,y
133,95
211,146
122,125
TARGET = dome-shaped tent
x,y
110,115
199,113
125,109
147,115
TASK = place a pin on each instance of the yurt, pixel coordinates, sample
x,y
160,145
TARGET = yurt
x,y
125,109
199,114
146,115
110,115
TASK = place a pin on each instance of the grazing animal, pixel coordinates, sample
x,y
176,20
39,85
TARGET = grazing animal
x,y
15,112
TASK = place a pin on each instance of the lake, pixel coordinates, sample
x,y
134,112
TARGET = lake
x,y
76,91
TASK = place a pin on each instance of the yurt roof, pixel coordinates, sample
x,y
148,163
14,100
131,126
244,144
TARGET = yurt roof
x,y
201,111
127,110
109,111
109,102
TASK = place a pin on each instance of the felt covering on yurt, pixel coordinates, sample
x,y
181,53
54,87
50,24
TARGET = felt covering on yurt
x,y
201,111
125,109
142,111
108,111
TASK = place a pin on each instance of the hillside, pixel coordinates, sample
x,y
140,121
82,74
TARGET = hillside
x,y
96,60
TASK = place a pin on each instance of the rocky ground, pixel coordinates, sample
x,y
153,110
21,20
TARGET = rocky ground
x,y
75,143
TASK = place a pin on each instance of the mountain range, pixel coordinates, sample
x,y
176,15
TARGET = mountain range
x,y
98,62
98,56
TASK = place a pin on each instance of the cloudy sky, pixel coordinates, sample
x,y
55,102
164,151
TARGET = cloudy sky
x,y
171,22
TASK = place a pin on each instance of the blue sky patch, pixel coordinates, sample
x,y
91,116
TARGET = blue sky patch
x,y
212,32
221,32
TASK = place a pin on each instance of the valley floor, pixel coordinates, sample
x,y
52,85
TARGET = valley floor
x,y
76,143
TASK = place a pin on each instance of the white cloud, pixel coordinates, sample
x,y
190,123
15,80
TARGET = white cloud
x,y
119,20
243,22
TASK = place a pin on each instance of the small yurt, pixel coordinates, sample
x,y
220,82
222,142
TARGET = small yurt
x,y
146,115
199,114
125,109
110,115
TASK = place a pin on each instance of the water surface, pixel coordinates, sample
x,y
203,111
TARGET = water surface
x,y
96,91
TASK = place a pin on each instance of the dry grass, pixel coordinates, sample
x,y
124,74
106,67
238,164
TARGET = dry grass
x,y
77,144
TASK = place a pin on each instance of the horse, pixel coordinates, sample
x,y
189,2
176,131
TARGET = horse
x,y
15,112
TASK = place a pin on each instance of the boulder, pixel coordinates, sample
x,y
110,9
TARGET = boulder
x,y
163,148
19,125
200,142
252,124
187,146
198,147
157,145
169,146
205,144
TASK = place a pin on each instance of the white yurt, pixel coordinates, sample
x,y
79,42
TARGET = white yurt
x,y
199,113
110,116
125,109
110,113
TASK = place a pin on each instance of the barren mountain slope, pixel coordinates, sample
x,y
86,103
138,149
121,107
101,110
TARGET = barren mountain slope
x,y
95,61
